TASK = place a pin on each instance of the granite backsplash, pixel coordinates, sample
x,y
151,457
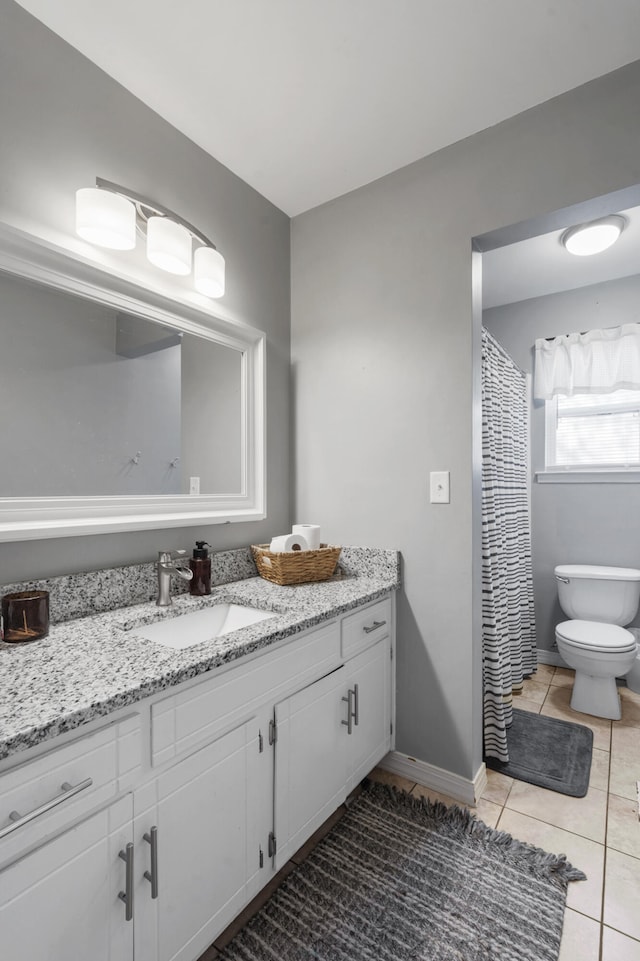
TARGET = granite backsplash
x,y
95,592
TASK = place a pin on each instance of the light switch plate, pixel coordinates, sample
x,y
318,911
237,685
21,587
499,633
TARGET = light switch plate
x,y
439,487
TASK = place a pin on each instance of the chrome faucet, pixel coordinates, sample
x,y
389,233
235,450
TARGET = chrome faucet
x,y
166,567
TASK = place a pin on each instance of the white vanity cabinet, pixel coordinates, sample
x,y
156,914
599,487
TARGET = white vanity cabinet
x,y
331,733
368,684
194,801
204,834
65,821
366,645
310,762
60,902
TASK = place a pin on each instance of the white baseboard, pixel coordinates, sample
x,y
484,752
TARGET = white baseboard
x,y
446,782
436,778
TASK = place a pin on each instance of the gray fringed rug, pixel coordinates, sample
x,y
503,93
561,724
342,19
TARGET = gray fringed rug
x,y
403,879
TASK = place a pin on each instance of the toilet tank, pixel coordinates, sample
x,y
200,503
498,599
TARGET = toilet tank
x,y
606,594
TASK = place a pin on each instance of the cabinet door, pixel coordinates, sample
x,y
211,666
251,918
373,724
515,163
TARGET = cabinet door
x,y
369,681
310,761
205,838
61,901
260,867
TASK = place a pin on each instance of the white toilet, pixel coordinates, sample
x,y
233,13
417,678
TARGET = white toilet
x,y
599,601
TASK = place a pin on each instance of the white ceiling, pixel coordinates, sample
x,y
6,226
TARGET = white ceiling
x,y
541,265
308,99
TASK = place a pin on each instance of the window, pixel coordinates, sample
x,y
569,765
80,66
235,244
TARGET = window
x,y
590,383
593,432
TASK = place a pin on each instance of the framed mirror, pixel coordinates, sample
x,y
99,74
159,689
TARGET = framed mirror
x,y
120,408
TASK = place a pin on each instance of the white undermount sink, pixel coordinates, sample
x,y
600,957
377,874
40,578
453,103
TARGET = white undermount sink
x,y
186,630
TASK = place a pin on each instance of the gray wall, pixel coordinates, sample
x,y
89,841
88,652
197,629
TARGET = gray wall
x,y
63,123
75,411
384,354
211,409
571,523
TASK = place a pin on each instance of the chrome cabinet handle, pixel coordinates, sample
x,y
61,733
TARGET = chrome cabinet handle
x,y
374,626
356,703
127,894
152,838
68,791
271,846
349,722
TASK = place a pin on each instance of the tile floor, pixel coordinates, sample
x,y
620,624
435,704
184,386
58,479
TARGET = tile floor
x,y
600,833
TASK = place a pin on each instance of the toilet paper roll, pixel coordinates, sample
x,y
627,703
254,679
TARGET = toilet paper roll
x,y
288,542
311,534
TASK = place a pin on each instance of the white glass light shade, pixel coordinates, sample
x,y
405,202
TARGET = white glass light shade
x,y
105,218
208,271
593,238
169,245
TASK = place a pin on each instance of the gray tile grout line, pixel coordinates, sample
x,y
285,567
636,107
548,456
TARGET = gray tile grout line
x,y
606,850
604,862
604,846
600,923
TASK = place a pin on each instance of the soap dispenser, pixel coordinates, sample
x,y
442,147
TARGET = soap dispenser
x,y
200,564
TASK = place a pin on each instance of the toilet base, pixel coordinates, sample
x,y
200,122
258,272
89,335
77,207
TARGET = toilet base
x,y
596,695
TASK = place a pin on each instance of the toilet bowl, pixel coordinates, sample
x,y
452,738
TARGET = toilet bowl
x,y
598,653
599,601
633,677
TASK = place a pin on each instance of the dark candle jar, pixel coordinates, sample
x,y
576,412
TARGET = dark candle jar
x,y
25,616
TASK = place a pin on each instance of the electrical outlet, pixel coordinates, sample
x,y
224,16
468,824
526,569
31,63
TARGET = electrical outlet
x,y
194,485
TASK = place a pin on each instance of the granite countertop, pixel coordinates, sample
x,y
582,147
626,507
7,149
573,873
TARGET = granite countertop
x,y
91,666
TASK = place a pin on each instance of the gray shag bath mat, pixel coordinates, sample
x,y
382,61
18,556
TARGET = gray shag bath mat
x,y
403,879
548,752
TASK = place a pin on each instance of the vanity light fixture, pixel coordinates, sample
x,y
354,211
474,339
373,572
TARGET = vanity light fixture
x,y
592,238
105,219
109,215
169,245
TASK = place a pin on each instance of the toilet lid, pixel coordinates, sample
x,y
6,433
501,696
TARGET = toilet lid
x,y
608,638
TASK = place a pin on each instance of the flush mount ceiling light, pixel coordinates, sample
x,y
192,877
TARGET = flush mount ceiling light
x,y
592,238
109,215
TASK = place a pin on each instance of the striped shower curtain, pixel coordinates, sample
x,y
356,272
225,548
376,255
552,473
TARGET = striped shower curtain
x,y
508,626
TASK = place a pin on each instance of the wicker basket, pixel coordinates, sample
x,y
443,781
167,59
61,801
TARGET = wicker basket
x,y
295,567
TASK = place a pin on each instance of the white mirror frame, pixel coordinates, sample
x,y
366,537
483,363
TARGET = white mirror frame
x,y
30,518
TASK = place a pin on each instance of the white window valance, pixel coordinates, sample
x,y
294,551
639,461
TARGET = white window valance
x,y
597,362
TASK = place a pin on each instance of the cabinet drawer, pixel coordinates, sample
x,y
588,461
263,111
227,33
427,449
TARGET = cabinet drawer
x,y
365,626
187,720
41,797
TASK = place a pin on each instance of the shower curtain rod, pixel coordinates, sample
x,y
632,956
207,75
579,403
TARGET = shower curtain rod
x,y
580,332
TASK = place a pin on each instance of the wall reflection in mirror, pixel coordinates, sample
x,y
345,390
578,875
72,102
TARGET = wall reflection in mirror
x,y
97,402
